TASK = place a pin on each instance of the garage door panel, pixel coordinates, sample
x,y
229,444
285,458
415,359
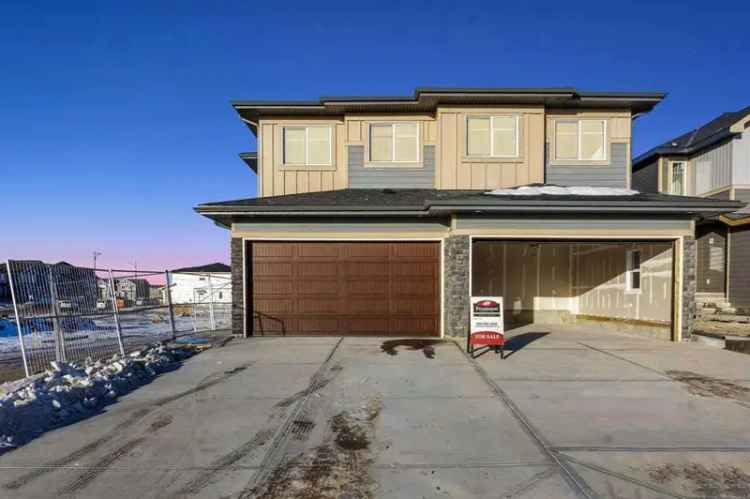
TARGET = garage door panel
x,y
317,287
370,251
368,305
414,269
275,305
416,250
346,288
416,286
368,287
354,270
414,307
318,306
317,269
272,251
317,250
273,287
272,269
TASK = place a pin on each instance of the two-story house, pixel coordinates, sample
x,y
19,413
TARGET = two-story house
x,y
711,161
383,215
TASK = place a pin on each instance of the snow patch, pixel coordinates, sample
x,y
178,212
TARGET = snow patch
x,y
70,392
555,190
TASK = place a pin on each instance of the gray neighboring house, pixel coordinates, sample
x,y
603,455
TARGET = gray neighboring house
x,y
711,161
384,215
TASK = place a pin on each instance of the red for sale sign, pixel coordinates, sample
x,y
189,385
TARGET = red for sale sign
x,y
487,328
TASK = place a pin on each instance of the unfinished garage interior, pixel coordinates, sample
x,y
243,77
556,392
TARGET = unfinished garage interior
x,y
618,284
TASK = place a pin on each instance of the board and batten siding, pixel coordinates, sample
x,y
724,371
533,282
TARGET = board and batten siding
x,y
744,196
711,241
741,158
455,170
614,174
378,177
646,178
712,169
739,267
276,179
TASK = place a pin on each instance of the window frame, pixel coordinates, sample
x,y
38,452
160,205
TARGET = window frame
x,y
578,159
393,161
684,177
492,155
630,270
306,128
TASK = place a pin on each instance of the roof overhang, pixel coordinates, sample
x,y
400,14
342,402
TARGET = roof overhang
x,y
427,99
251,159
475,204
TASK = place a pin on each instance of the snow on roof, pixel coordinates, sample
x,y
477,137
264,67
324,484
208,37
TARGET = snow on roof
x,y
556,190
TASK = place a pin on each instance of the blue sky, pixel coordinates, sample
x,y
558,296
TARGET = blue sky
x,y
115,118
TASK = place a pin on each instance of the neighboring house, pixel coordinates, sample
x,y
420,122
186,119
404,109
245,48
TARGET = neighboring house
x,y
711,161
202,284
132,289
5,295
383,215
35,283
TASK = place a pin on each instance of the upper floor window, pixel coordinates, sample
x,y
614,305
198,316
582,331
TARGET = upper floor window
x,y
492,136
394,143
581,140
677,184
307,145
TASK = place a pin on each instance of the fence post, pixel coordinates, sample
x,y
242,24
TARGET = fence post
x,y
18,320
115,312
59,336
211,316
169,302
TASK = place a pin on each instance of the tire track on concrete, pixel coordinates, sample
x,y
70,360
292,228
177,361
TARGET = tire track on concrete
x,y
109,459
577,484
277,432
136,417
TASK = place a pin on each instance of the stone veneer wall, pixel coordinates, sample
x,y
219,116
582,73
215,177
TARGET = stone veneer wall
x,y
689,285
238,294
456,281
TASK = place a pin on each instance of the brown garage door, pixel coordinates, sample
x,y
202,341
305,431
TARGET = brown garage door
x,y
345,288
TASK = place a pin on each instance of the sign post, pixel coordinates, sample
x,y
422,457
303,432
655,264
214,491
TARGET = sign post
x,y
487,327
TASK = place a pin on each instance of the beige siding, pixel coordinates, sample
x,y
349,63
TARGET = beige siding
x,y
455,170
276,179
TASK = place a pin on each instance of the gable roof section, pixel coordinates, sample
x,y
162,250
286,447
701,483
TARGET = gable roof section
x,y
713,132
211,267
437,203
427,99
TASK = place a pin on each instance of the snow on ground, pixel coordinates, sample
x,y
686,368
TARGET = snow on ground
x,y
555,190
69,392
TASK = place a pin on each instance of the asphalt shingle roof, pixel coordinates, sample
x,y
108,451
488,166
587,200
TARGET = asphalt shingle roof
x,y
712,132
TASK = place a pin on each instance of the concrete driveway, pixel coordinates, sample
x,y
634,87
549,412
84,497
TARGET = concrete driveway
x,y
569,413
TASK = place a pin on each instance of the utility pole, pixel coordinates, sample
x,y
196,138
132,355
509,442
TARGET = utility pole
x,y
96,254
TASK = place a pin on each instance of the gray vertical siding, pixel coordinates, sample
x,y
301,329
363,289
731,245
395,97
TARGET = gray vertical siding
x,y
368,177
713,168
723,195
744,196
646,178
712,241
739,267
614,174
741,159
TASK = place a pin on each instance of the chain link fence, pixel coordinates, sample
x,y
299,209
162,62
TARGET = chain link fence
x,y
61,312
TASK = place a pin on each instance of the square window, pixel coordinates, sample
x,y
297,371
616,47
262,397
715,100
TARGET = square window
x,y
394,143
307,145
492,136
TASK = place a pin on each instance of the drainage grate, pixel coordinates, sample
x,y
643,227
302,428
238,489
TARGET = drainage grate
x,y
301,429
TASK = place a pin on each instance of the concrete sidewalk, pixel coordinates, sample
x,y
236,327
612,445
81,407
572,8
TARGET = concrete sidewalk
x,y
569,413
